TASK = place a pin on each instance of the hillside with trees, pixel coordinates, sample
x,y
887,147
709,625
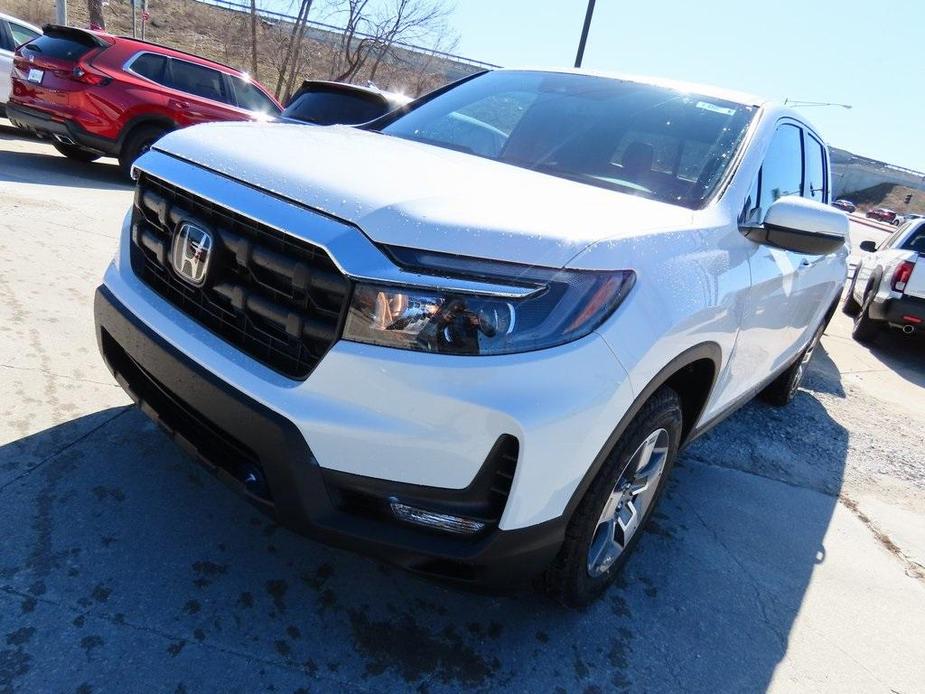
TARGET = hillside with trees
x,y
369,44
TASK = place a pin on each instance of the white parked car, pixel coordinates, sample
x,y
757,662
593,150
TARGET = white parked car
x,y
480,367
903,218
888,287
13,32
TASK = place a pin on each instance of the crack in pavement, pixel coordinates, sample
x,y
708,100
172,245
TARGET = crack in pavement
x,y
56,375
858,661
913,568
753,582
249,657
64,448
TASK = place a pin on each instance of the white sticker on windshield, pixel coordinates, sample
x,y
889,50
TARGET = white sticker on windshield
x,y
716,109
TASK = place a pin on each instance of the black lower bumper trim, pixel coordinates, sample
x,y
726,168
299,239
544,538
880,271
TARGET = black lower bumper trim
x,y
199,410
43,124
895,310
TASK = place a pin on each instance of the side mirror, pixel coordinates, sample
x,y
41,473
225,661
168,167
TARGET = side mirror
x,y
868,246
802,226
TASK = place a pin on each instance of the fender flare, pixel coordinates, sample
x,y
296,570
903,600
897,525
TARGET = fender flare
x,y
142,120
704,350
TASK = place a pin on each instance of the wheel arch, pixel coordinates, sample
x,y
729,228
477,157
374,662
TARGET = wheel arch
x,y
692,374
143,120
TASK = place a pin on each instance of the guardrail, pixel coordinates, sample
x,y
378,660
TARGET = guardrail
x,y
873,224
334,29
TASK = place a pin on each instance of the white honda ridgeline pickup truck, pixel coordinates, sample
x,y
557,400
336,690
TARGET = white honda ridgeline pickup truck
x,y
471,337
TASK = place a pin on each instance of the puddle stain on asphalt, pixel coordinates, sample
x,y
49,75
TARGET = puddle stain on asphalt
x,y
90,643
207,572
277,590
415,652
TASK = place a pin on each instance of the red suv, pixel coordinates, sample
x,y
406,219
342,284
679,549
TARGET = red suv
x,y
100,95
881,214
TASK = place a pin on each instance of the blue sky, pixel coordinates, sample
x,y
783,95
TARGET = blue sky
x,y
867,54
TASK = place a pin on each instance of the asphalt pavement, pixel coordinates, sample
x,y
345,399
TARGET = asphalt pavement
x,y
788,554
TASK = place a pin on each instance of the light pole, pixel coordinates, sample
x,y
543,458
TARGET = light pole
x,y
584,34
801,104
61,12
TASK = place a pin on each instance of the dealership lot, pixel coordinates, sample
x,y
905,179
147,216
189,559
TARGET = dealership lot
x,y
789,552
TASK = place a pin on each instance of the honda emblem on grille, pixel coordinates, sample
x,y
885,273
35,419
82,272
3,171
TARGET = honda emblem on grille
x,y
192,249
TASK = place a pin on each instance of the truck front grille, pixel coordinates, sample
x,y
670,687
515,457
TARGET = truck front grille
x,y
279,299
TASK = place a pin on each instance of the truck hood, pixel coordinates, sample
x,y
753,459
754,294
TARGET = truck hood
x,y
411,194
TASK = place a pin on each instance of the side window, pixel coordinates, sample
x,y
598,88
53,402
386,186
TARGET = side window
x,y
916,240
814,186
891,240
21,34
4,41
782,170
251,98
197,80
151,66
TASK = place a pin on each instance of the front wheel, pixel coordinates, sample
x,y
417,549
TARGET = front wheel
x,y
609,520
75,152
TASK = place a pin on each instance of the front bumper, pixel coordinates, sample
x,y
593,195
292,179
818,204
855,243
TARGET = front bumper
x,y
411,417
233,435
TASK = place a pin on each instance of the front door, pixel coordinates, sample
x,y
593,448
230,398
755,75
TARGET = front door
x,y
783,299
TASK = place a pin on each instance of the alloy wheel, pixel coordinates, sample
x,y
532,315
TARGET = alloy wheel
x,y
628,503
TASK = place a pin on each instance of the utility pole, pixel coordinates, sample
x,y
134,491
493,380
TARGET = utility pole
x,y
254,39
61,12
134,19
584,34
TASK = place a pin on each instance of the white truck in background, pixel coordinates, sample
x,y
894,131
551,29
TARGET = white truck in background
x,y
888,288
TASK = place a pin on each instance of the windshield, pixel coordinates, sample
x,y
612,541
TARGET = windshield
x,y
635,138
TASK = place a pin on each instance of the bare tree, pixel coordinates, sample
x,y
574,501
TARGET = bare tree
x,y
369,38
347,59
409,21
95,12
425,78
290,63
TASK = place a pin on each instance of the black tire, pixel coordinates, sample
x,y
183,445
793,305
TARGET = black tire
x,y
865,328
137,143
568,579
75,152
851,307
781,391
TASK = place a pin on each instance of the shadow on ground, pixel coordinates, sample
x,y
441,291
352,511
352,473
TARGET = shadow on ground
x,y
823,375
52,168
903,354
124,566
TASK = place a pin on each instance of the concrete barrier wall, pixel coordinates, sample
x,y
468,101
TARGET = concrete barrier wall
x,y
851,173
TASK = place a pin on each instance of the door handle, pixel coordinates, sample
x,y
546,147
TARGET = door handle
x,y
804,263
182,105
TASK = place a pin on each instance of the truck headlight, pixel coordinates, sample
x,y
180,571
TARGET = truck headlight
x,y
566,305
